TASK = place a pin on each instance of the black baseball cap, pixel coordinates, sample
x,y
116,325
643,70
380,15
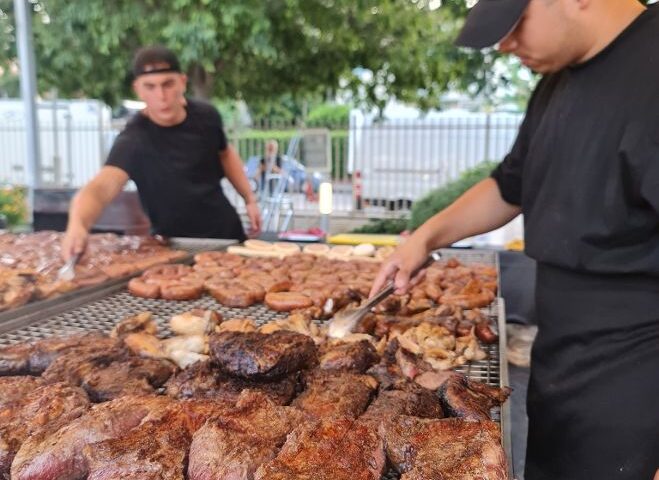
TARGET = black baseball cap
x,y
490,21
154,59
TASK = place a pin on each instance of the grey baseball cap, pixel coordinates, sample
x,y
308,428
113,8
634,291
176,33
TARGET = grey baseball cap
x,y
490,21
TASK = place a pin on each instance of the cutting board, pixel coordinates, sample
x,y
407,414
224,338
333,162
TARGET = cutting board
x,y
379,240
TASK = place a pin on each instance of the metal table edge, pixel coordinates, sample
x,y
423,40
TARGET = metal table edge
x,y
506,427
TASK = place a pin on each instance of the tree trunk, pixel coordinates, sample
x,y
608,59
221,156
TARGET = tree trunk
x,y
201,83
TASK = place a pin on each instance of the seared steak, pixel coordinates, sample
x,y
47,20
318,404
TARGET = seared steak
x,y
259,356
329,449
44,409
235,444
201,380
412,400
34,358
73,366
58,455
154,450
15,388
134,376
351,356
336,394
452,448
463,397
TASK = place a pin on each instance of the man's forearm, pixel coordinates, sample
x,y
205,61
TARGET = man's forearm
x,y
479,210
85,209
233,169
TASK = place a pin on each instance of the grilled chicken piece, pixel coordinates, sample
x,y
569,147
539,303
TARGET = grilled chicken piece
x,y
142,322
259,356
235,444
45,408
353,356
154,450
328,449
195,322
411,399
58,455
34,358
201,380
452,448
336,394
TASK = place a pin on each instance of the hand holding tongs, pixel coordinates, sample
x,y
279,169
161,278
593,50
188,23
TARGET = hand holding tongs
x,y
67,271
345,321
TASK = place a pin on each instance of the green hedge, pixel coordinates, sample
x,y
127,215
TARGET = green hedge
x,y
433,202
13,204
441,198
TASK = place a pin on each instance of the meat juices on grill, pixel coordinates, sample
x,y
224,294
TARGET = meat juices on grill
x,y
261,356
43,409
328,449
34,358
412,400
336,394
353,356
58,455
454,448
154,450
235,444
201,380
15,388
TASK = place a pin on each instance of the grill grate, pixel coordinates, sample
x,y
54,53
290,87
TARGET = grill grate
x,y
101,315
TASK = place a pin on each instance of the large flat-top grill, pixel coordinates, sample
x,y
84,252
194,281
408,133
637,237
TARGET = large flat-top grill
x,y
101,309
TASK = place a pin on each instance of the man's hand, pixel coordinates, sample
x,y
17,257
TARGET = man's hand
x,y
74,241
400,265
254,216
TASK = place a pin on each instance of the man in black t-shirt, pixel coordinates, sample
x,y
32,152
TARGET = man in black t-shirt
x,y
584,171
176,152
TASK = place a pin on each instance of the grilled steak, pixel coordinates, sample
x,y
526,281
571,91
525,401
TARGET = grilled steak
x,y
413,400
134,376
235,444
58,455
34,358
15,388
463,397
201,380
452,448
261,356
151,451
44,409
329,449
336,394
353,356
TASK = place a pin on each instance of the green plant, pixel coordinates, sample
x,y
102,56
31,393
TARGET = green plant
x,y
383,225
328,115
441,198
13,204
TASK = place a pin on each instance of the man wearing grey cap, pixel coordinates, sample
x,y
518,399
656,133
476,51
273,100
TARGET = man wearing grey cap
x,y
584,171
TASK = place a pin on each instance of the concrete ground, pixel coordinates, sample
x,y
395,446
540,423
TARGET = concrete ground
x,y
519,379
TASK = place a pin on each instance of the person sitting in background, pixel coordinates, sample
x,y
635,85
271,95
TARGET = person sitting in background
x,y
270,163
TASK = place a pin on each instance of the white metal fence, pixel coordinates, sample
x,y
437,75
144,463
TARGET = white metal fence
x,y
390,164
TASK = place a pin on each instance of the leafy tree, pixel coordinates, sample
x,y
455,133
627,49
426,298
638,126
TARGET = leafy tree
x,y
255,49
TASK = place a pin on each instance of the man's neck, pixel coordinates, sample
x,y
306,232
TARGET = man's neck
x,y
610,19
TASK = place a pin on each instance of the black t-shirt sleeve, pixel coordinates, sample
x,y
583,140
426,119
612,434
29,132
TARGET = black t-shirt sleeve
x,y
508,174
222,137
122,153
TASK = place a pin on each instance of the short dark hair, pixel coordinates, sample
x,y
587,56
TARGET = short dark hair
x,y
147,57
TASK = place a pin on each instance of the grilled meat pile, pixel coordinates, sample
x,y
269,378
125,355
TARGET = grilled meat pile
x,y
96,412
29,263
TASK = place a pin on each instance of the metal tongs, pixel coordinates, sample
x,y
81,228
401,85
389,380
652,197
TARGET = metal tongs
x,y
345,321
67,271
